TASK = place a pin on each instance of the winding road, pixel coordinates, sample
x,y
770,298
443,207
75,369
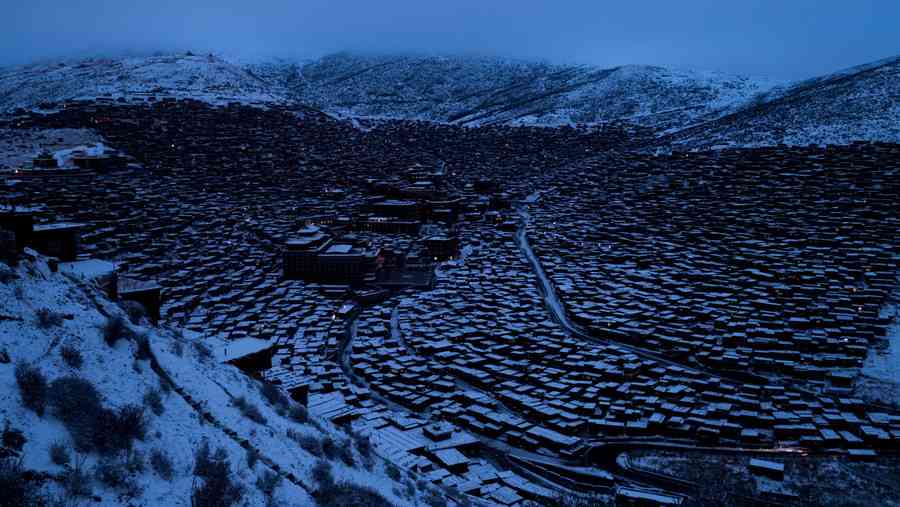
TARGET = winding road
x,y
557,310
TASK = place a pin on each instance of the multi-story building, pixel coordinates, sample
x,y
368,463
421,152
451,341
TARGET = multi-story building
x,y
313,256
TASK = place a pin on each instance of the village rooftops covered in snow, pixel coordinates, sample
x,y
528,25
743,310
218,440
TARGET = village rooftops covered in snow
x,y
603,313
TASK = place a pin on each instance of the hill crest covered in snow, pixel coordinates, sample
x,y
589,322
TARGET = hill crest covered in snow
x,y
860,103
203,77
687,108
480,90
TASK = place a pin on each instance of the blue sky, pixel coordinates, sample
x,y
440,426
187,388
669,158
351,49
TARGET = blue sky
x,y
789,39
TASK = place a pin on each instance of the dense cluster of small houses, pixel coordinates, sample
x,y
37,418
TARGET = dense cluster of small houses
x,y
725,299
772,261
485,325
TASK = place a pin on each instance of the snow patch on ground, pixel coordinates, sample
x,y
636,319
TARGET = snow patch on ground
x,y
64,157
19,146
884,363
88,270
880,374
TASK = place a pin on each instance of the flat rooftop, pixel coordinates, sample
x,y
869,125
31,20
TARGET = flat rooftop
x,y
305,240
309,230
395,202
131,285
59,226
339,249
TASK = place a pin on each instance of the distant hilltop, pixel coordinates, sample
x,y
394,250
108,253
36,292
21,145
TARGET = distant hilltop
x,y
687,108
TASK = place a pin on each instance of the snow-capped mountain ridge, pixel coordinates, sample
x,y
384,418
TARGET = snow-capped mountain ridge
x,y
481,90
689,108
207,78
859,103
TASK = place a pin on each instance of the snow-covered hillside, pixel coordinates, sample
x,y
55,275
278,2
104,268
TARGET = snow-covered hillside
x,y
861,103
687,108
53,323
463,90
472,91
207,78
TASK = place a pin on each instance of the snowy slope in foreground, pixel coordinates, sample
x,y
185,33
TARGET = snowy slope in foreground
x,y
123,379
206,78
